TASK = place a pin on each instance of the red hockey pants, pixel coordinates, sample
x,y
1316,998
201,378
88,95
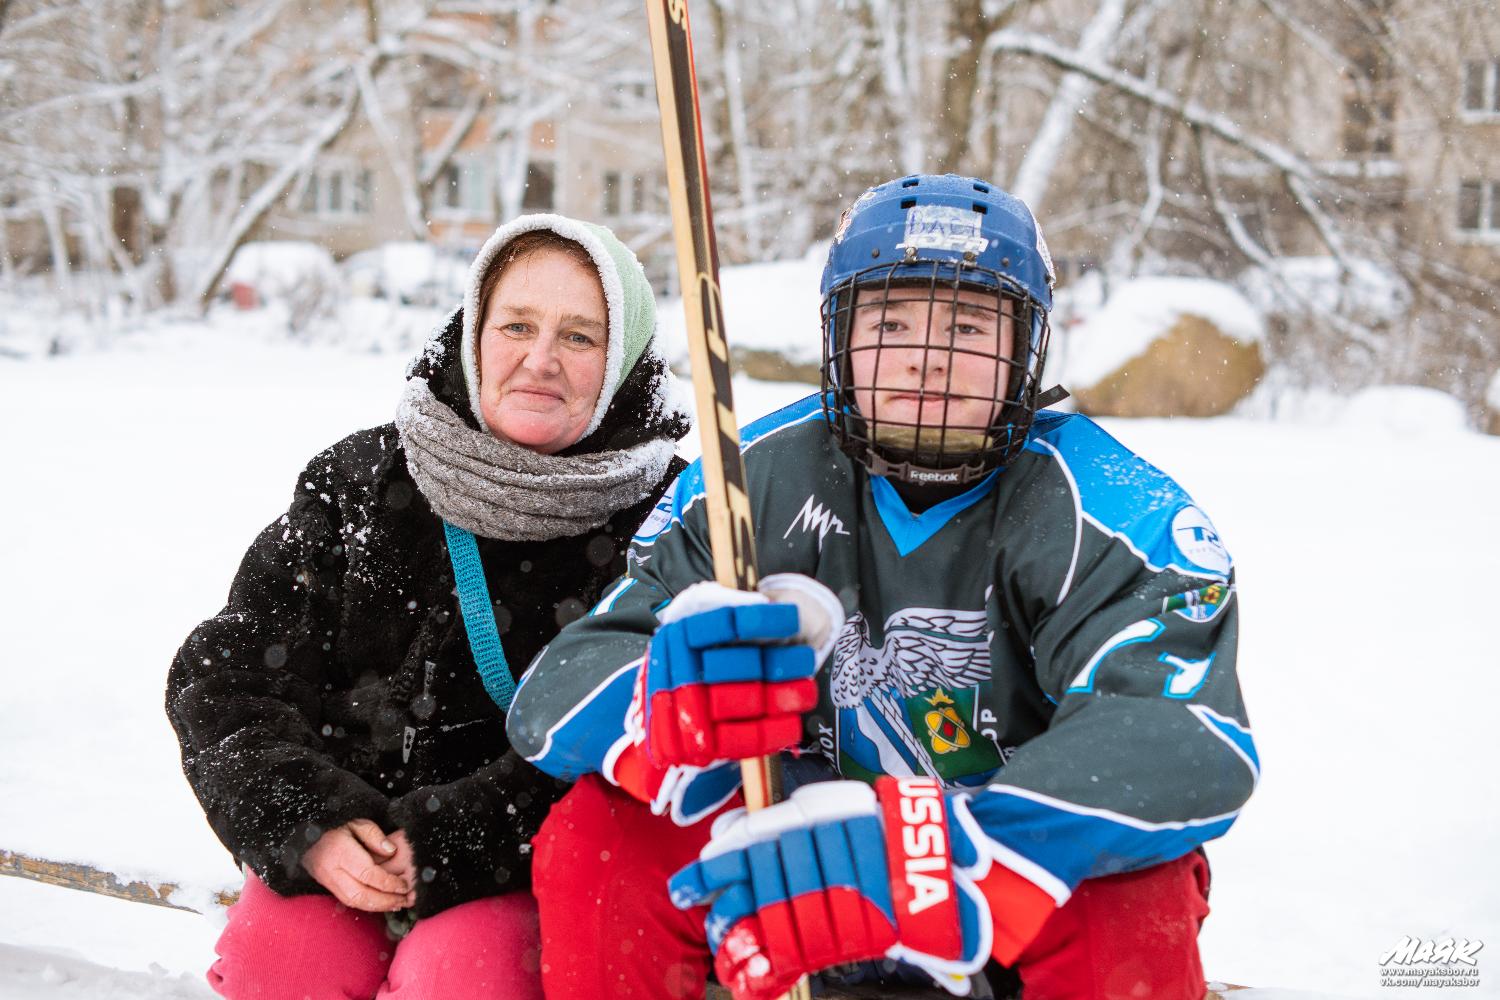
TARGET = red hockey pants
x,y
608,929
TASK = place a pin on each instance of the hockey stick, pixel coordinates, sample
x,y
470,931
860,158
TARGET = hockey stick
x,y
730,534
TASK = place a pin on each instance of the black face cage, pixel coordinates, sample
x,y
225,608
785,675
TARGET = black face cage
x,y
937,448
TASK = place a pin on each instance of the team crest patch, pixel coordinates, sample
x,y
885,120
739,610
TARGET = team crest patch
x,y
906,696
1196,537
945,730
1198,605
944,227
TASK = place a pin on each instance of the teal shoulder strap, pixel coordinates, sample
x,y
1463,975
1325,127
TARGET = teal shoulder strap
x,y
479,615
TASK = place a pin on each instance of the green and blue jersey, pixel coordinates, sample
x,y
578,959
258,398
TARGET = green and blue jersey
x,y
1059,641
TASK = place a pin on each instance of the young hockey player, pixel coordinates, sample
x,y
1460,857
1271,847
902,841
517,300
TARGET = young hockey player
x,y
1012,640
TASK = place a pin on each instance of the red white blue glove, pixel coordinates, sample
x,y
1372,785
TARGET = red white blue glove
x,y
728,675
841,872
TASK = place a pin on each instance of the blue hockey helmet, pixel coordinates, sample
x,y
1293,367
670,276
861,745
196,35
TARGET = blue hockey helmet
x,y
971,256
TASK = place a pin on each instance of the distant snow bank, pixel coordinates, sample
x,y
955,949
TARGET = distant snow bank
x,y
1105,333
1396,409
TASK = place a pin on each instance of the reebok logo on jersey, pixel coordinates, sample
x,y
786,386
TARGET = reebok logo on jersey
x,y
815,517
926,476
916,825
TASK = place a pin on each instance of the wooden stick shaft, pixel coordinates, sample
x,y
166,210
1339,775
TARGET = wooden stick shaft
x,y
731,534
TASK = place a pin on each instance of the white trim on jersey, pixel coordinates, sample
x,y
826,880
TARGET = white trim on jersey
x,y
1108,814
1205,714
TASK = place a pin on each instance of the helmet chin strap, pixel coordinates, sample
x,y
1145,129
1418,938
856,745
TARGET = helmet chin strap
x,y
1052,396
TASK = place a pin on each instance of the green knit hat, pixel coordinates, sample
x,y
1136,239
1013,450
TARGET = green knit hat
x,y
627,296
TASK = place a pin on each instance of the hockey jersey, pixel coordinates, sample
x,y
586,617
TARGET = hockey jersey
x,y
1059,641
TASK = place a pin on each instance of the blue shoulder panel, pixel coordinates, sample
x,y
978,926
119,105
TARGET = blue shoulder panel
x,y
1128,497
689,485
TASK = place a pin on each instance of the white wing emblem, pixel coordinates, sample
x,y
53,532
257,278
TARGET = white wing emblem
x,y
924,648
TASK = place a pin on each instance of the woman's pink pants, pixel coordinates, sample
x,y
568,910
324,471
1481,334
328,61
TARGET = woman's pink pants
x,y
315,948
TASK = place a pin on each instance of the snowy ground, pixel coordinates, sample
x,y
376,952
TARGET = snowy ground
x,y
138,475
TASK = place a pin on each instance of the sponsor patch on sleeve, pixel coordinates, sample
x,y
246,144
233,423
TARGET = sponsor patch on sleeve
x,y
1198,540
656,522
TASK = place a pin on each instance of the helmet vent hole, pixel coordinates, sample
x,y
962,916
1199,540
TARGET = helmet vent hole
x,y
982,188
911,182
908,203
981,208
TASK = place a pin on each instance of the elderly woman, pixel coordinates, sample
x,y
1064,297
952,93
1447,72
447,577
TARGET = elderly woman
x,y
342,719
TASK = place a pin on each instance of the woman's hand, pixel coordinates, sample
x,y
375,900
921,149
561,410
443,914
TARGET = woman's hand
x,y
401,863
347,862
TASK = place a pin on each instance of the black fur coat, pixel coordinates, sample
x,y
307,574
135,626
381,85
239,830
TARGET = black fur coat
x,y
337,683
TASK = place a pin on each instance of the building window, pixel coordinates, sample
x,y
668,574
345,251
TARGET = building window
x,y
629,93
362,190
611,193
1482,86
1370,111
632,194
541,187
463,189
1369,126
337,192
1479,207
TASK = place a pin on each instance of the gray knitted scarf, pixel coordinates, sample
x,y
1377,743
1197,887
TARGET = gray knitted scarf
x,y
497,489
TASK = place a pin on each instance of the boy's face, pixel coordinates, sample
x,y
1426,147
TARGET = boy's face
x,y
929,372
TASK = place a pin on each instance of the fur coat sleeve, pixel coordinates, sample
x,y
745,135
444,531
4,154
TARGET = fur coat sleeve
x,y
243,695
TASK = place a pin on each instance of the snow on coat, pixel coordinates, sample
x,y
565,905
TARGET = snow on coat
x,y
337,682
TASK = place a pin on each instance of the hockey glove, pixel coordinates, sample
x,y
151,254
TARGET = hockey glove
x,y
837,873
727,675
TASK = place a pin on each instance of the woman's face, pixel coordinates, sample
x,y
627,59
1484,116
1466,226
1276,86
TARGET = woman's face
x,y
542,343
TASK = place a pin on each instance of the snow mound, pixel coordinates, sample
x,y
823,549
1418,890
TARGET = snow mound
x,y
1404,409
48,975
1138,312
275,268
772,307
1381,409
1366,289
408,272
